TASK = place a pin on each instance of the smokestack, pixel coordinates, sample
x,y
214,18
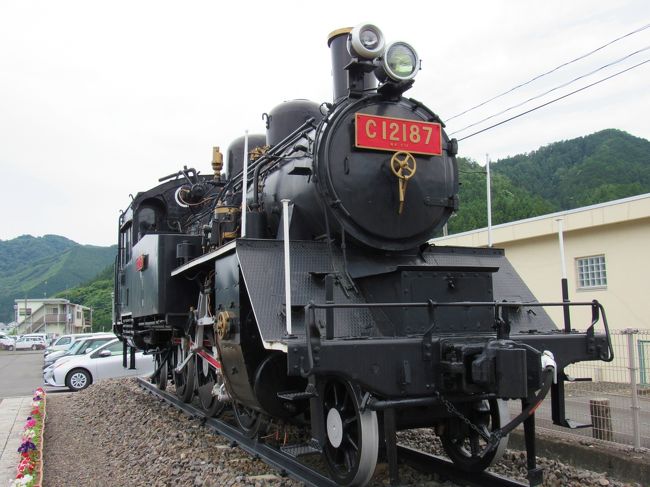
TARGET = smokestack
x,y
337,41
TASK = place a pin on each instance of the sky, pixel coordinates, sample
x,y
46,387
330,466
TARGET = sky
x,y
99,99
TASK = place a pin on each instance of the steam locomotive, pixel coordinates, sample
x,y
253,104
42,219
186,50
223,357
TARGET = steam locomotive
x,y
296,284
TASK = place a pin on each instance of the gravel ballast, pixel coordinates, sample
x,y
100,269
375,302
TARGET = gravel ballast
x,y
116,434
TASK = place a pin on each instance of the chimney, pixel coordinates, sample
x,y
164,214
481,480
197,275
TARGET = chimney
x,y
337,41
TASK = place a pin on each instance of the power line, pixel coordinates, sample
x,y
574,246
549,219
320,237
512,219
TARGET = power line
x,y
551,90
554,100
549,72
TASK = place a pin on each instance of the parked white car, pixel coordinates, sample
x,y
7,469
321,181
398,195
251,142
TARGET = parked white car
x,y
7,342
64,342
103,363
27,342
80,347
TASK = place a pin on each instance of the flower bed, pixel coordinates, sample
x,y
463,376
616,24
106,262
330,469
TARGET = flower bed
x,y
30,469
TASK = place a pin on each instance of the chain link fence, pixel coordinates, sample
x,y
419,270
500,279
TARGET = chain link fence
x,y
615,405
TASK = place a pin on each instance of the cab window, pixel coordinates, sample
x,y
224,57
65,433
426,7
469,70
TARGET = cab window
x,y
125,245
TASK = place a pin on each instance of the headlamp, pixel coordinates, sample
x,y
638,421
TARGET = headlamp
x,y
400,61
366,41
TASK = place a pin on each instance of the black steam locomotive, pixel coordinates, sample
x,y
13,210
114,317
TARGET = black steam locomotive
x,y
296,283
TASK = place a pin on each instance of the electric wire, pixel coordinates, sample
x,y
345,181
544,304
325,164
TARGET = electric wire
x,y
550,71
555,88
555,99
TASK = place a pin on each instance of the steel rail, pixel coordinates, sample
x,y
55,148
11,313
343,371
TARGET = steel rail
x,y
285,464
290,466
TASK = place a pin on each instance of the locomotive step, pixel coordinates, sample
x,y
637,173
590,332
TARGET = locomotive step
x,y
308,393
300,449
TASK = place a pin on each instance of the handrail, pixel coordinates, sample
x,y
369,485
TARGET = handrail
x,y
597,311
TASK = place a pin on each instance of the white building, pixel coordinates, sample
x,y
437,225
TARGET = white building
x,y
606,254
54,316
606,248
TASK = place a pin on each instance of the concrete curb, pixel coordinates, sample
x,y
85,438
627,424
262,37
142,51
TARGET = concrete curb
x,y
619,462
13,414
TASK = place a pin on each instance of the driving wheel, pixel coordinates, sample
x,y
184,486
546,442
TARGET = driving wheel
x,y
352,436
207,378
184,379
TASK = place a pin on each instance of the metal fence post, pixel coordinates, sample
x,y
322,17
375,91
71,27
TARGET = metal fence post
x,y
636,433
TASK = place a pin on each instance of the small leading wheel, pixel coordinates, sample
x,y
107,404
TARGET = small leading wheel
x,y
184,380
465,447
352,436
249,420
160,380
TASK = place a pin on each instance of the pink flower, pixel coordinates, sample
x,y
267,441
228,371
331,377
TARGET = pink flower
x,y
31,423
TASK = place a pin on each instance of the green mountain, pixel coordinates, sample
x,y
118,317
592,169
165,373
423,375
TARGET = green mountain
x,y
42,266
509,201
95,294
604,166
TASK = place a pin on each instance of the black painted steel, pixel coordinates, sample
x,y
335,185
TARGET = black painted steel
x,y
362,192
273,457
283,119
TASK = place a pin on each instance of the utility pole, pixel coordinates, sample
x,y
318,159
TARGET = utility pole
x,y
565,282
489,200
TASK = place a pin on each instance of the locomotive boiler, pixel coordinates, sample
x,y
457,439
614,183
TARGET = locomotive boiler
x,y
296,284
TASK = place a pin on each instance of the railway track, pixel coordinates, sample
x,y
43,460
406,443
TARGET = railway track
x,y
289,465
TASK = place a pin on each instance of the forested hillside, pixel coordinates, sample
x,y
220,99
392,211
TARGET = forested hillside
x,y
604,166
34,267
95,294
509,202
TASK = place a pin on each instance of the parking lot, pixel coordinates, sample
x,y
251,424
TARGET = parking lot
x,y
20,372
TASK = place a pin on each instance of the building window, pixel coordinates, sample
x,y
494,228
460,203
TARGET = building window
x,y
78,315
591,272
55,311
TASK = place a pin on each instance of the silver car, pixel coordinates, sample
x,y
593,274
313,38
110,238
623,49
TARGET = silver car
x,y
81,346
79,371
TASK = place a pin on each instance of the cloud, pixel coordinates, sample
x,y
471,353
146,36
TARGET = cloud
x,y
102,98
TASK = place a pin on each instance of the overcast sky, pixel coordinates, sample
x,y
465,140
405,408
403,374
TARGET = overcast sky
x,y
99,99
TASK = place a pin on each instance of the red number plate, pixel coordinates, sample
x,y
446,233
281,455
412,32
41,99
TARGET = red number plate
x,y
397,134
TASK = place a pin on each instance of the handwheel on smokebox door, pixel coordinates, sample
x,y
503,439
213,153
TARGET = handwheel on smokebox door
x,y
207,378
465,447
184,380
352,442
